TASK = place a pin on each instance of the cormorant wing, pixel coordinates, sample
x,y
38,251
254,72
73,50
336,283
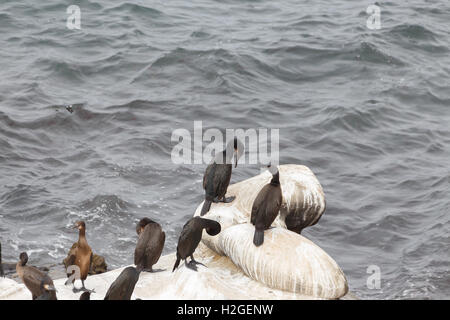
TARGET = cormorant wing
x,y
115,286
158,246
122,287
127,287
32,278
207,173
209,180
141,247
258,203
189,238
221,179
273,203
255,208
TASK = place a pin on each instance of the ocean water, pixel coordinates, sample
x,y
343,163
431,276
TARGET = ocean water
x,y
367,110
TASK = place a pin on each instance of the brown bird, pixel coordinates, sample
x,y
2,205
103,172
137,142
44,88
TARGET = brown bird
x,y
80,256
190,238
266,206
150,244
40,284
122,288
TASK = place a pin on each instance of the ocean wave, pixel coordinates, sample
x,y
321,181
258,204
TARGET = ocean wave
x,y
413,31
369,52
139,10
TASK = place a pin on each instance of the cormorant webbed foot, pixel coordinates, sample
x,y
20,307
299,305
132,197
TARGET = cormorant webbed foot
x,y
196,262
228,200
154,270
83,288
191,265
216,200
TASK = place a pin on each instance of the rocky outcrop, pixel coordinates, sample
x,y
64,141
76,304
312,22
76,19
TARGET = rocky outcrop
x,y
286,261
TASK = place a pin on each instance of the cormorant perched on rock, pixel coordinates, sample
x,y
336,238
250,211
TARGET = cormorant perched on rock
x,y
190,238
80,256
218,174
122,288
150,244
35,280
85,296
2,274
266,206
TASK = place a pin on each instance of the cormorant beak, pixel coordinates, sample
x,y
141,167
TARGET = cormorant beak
x,y
236,153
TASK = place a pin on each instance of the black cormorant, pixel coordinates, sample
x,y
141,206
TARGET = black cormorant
x,y
150,244
266,206
190,238
218,174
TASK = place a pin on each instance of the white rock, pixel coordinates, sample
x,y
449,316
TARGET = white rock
x,y
286,261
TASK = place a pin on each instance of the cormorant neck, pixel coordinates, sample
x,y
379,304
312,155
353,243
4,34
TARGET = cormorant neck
x,y
224,157
212,227
82,236
21,264
275,179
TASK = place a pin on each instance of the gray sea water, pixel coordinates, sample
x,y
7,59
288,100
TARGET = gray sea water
x,y
366,110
